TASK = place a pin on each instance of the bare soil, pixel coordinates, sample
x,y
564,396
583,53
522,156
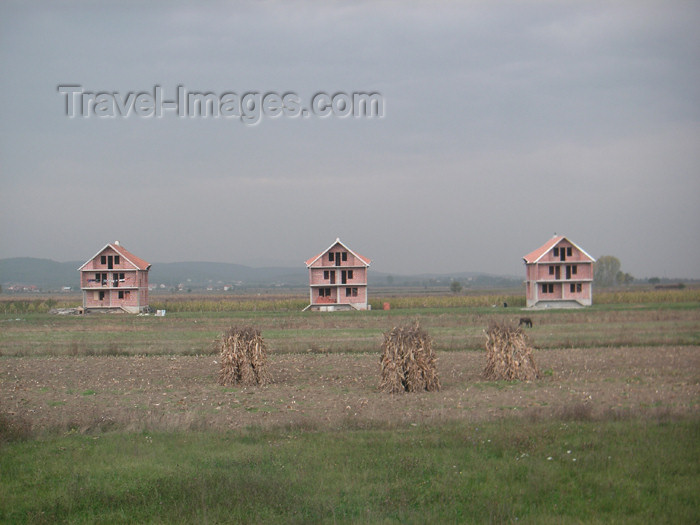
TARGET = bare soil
x,y
85,394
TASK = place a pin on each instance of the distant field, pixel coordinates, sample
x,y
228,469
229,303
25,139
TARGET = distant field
x,y
293,331
118,418
409,298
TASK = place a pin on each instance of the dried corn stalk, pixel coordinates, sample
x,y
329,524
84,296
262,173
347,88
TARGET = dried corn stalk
x,y
508,354
243,357
408,362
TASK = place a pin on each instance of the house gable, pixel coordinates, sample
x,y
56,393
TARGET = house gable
x,y
353,258
127,260
546,252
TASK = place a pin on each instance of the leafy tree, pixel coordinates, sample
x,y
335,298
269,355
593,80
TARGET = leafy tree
x,y
455,287
605,270
654,280
623,278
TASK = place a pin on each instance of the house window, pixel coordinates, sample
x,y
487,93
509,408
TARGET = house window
x,y
330,256
345,256
116,259
102,296
578,287
556,252
324,292
551,270
350,274
574,270
348,292
572,288
103,259
98,277
121,277
326,274
547,288
121,295
568,251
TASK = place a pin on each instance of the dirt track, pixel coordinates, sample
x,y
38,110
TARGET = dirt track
x,y
336,390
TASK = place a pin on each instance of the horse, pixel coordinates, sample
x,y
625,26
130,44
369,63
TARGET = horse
x,y
525,321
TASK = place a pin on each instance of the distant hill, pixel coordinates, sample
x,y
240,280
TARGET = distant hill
x,y
45,274
206,273
48,275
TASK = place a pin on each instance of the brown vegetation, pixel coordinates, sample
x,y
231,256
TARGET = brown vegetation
x,y
509,356
243,357
408,361
337,391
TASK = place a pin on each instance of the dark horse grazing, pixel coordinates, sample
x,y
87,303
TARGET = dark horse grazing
x,y
525,321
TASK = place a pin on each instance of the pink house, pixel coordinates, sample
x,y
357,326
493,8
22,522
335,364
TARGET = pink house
x,y
558,274
115,279
338,279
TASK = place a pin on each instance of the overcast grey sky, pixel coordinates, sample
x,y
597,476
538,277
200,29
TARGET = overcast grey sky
x,y
504,122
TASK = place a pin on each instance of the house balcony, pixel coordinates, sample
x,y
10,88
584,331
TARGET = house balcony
x,y
336,284
325,300
570,280
94,284
343,264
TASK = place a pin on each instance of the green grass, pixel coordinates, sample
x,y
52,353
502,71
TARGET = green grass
x,y
561,471
407,299
452,329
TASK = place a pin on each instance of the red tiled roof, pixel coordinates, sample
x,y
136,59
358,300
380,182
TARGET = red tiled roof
x,y
364,259
136,261
309,262
537,254
133,259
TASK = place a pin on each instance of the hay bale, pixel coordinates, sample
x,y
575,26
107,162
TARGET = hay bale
x,y
243,357
408,362
509,356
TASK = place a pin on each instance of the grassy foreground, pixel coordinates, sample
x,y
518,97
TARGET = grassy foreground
x,y
556,471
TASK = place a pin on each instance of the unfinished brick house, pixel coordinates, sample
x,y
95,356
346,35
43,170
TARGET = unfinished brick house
x,y
338,279
115,279
559,274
